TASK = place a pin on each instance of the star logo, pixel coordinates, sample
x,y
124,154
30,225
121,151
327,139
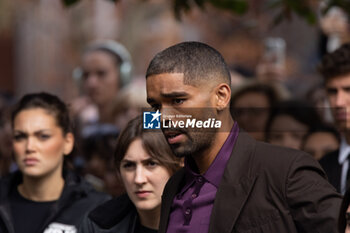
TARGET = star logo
x,y
151,120
155,115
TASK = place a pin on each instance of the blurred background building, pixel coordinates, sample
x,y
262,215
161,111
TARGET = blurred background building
x,y
41,41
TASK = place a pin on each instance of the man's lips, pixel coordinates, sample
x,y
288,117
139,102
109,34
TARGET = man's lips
x,y
340,115
174,137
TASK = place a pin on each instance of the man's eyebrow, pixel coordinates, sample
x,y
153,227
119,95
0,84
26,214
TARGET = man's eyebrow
x,y
169,95
35,132
174,94
346,88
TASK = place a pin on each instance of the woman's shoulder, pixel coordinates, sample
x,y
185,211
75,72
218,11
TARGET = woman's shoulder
x,y
118,212
7,183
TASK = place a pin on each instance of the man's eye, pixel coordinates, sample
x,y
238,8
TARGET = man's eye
x,y
178,101
155,107
331,91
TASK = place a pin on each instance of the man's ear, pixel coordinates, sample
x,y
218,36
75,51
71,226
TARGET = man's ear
x,y
68,144
223,96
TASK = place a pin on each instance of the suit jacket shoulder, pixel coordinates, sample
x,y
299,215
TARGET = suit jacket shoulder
x,y
267,188
171,188
332,168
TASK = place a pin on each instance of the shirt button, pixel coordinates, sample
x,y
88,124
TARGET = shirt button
x,y
200,179
188,211
194,196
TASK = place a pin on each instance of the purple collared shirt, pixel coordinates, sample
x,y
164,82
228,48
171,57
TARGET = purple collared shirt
x,y
192,206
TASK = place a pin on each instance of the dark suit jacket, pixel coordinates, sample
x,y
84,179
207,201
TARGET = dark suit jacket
x,y
266,189
332,168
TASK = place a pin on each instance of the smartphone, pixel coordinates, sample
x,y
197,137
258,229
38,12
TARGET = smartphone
x,y
275,51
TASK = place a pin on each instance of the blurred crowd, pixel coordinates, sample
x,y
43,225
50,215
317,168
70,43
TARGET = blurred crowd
x,y
275,97
263,104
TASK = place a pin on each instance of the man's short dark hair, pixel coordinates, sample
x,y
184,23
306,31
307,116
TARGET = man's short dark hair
x,y
336,63
197,61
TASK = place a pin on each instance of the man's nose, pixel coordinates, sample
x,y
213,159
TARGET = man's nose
x,y
340,99
167,114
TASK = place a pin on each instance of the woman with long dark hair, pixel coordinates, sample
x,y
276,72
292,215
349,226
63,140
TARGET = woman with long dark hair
x,y
43,196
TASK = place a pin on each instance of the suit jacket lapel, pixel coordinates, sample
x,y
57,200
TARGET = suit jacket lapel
x,y
235,186
168,197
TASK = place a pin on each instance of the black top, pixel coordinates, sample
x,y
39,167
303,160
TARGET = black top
x,y
28,216
117,215
142,229
77,199
331,166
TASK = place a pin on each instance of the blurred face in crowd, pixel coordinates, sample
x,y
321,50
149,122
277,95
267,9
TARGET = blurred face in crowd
x,y
319,144
252,112
101,76
168,93
286,131
335,21
39,143
143,177
338,91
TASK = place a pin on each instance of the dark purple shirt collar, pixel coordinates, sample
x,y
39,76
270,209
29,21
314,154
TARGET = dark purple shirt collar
x,y
216,169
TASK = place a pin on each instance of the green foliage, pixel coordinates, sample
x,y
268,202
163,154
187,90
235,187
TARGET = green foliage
x,y
301,8
345,5
182,5
69,2
235,6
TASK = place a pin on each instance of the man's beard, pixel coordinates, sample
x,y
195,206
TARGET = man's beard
x,y
198,139
196,143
